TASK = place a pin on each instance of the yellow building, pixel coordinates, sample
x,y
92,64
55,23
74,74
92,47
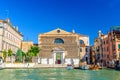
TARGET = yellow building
x,y
26,45
62,47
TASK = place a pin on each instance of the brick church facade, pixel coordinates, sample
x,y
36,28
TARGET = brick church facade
x,y
62,47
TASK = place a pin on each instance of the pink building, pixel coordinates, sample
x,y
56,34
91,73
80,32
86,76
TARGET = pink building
x,y
110,44
105,50
111,47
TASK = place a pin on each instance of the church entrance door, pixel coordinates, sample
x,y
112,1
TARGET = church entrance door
x,y
58,56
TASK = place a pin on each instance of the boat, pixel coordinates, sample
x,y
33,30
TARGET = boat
x,y
94,67
69,67
85,67
117,67
1,63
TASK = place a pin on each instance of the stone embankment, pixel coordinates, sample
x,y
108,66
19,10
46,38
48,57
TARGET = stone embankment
x,y
18,65
32,65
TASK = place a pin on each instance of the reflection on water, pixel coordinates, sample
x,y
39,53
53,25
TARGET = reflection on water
x,y
58,74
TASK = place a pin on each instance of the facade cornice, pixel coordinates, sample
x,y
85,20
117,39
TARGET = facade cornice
x,y
3,21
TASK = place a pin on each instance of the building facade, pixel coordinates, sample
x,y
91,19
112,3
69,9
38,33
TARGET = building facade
x,y
110,47
105,49
10,37
62,47
98,47
26,45
92,55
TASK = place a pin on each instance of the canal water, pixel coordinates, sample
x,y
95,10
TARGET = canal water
x,y
58,74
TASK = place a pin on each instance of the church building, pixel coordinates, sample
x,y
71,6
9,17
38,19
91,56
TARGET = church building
x,y
62,47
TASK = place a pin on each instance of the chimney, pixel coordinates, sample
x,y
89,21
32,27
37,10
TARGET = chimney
x,y
8,20
73,31
99,33
16,28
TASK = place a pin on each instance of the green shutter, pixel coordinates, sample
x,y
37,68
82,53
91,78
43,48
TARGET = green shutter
x,y
118,46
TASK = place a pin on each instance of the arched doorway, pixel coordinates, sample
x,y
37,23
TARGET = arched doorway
x,y
58,55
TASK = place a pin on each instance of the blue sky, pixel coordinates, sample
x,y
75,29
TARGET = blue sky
x,y
84,16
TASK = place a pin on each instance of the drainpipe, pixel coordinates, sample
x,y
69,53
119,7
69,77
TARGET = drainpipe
x,y
79,51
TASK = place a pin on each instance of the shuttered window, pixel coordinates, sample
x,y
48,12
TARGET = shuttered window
x,y
118,46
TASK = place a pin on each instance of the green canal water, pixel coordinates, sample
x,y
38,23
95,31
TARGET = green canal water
x,y
58,74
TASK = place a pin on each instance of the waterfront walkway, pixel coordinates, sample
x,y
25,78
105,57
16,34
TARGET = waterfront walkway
x,y
34,65
49,65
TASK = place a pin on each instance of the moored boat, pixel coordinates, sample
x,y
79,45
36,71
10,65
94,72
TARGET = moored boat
x,y
117,67
94,67
1,63
85,67
69,67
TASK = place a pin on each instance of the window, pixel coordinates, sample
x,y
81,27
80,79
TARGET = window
x,y
58,31
1,24
114,56
114,47
104,49
119,54
107,56
81,42
106,41
80,49
107,48
58,41
86,49
118,46
9,36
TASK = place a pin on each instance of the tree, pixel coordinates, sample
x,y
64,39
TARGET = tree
x,y
4,55
19,55
23,56
9,52
34,50
27,58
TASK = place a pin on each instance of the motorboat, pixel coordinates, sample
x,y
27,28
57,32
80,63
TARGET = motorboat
x,y
69,67
85,67
94,67
117,67
1,63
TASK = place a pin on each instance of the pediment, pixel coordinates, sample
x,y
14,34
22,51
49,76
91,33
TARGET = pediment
x,y
58,31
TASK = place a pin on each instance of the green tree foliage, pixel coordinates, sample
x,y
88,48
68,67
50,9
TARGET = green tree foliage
x,y
9,52
4,55
27,58
19,55
34,50
23,54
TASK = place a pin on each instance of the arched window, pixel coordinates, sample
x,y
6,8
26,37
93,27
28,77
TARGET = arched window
x,y
58,41
81,42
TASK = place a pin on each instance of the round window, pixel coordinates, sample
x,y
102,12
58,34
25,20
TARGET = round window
x,y
58,31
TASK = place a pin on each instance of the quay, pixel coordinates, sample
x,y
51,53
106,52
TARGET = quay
x,y
32,65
